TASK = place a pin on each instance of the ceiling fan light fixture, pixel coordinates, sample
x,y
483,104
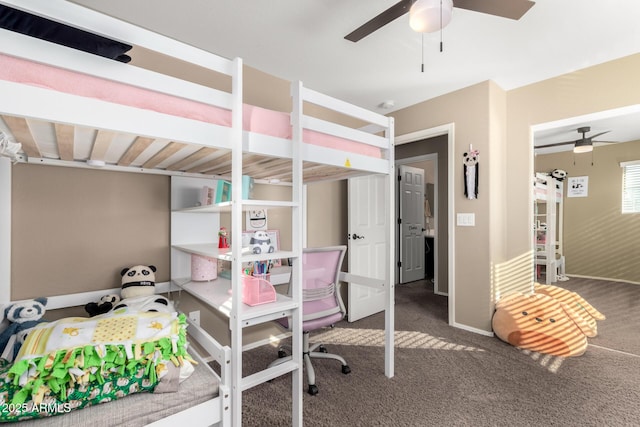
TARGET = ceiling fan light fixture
x,y
582,147
427,16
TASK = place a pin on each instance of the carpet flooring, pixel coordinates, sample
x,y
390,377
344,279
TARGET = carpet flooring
x,y
445,376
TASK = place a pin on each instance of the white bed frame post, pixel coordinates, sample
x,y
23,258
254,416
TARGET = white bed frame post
x,y
5,231
297,243
389,314
235,323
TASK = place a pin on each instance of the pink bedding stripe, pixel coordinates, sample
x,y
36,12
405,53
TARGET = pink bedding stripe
x,y
255,119
61,80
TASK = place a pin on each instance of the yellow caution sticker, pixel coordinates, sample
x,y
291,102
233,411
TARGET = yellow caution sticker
x,y
347,163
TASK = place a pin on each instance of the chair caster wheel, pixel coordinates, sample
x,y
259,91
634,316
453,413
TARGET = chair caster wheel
x,y
322,349
281,354
313,389
346,369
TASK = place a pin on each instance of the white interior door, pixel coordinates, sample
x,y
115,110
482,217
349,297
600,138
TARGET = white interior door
x,y
411,234
367,243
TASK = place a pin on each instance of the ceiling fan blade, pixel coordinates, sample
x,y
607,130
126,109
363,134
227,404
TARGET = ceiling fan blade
x,y
389,15
598,134
557,144
512,9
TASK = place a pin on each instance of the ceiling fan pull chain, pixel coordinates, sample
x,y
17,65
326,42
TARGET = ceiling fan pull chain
x,y
441,45
422,49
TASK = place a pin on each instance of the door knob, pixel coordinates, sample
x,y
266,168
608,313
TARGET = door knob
x,y
356,237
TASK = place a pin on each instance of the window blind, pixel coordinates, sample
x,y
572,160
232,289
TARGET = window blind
x,y
630,187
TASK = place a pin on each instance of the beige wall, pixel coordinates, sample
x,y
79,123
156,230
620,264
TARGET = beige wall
x,y
470,111
598,240
327,214
74,230
494,257
603,87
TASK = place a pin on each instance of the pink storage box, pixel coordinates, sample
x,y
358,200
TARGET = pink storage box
x,y
257,291
203,269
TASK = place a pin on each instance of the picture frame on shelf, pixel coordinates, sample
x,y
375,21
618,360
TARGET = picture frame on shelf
x,y
223,191
207,195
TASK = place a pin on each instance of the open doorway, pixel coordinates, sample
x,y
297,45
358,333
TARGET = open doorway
x,y
412,148
590,206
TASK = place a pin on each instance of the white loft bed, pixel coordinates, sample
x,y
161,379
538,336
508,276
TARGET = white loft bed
x,y
548,192
129,137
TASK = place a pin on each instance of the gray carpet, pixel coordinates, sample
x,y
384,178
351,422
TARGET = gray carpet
x,y
449,377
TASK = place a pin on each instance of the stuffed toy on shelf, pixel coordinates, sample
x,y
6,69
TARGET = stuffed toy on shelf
x,y
22,317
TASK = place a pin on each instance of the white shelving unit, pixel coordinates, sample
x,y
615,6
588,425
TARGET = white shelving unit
x,y
548,199
194,231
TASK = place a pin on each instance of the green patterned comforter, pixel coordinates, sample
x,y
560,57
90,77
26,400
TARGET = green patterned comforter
x,y
76,362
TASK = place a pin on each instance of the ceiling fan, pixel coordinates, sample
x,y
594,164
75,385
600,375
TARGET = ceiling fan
x,y
512,9
582,145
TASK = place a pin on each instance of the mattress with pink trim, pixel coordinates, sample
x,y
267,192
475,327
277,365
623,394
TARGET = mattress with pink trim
x,y
255,119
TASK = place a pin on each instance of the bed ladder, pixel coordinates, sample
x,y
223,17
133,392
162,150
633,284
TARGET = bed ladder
x,y
241,316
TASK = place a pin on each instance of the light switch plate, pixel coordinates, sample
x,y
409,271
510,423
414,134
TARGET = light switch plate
x,y
466,219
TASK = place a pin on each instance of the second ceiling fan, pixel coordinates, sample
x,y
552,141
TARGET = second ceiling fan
x,y
512,9
582,145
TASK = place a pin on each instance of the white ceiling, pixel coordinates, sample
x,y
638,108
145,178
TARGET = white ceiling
x,y
303,40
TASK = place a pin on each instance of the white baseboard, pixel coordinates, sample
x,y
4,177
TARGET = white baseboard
x,y
602,278
471,329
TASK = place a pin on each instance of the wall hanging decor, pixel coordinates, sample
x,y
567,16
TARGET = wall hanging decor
x,y
471,166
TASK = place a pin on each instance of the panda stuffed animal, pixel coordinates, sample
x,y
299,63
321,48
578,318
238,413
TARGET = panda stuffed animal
x,y
558,174
22,317
139,291
261,243
105,305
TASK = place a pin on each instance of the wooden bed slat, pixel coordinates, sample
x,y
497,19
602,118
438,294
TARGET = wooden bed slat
x,y
101,145
191,159
64,137
272,170
266,165
20,130
139,145
224,160
170,149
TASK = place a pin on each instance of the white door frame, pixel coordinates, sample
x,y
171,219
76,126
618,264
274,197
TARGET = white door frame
x,y
408,161
449,130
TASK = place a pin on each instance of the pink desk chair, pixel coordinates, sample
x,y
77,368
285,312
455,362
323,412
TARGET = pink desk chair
x,y
322,306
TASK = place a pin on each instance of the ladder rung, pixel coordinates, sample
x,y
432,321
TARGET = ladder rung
x,y
268,374
267,314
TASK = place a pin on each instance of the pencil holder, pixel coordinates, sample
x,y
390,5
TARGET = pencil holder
x,y
263,276
256,290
